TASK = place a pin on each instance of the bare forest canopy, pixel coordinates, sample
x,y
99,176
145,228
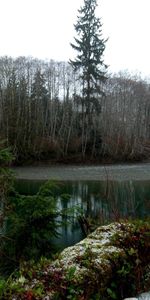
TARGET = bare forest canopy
x,y
43,114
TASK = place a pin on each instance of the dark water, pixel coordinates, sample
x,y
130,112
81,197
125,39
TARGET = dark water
x,y
100,200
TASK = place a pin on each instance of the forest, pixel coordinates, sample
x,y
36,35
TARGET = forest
x,y
73,112
44,117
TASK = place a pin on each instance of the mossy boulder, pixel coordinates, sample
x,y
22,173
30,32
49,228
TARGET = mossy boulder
x,y
113,262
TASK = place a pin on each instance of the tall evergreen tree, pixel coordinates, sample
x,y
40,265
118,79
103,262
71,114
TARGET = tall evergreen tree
x,y
39,91
39,102
90,47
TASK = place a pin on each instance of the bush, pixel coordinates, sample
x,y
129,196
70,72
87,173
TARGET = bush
x,y
32,223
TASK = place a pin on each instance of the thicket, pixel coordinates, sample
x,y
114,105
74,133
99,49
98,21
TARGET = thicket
x,y
41,116
6,181
28,224
93,273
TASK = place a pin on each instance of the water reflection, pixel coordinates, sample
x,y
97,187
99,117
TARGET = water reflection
x,y
110,199
102,201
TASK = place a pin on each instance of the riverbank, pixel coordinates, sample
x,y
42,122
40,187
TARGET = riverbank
x,y
120,172
102,266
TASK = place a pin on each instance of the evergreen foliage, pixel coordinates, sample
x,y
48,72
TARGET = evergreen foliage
x,y
33,223
45,115
90,47
28,224
38,91
6,181
111,263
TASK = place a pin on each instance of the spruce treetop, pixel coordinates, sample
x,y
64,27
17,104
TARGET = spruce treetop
x,y
90,47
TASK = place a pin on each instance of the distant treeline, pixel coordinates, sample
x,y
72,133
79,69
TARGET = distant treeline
x,y
43,114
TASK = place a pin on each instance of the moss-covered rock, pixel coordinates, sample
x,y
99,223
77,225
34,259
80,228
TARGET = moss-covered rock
x,y
111,263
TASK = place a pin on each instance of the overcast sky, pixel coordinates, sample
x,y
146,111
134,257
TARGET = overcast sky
x,y
44,29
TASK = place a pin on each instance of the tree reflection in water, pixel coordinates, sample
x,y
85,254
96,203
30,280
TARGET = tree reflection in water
x,y
99,201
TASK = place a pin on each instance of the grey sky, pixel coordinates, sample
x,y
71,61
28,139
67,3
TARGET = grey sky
x,y
44,29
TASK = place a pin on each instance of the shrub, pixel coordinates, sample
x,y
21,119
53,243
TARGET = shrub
x,y
32,223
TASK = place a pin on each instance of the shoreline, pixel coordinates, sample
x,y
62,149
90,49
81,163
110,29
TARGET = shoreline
x,y
119,172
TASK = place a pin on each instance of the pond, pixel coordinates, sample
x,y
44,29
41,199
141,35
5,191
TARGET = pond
x,y
103,201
